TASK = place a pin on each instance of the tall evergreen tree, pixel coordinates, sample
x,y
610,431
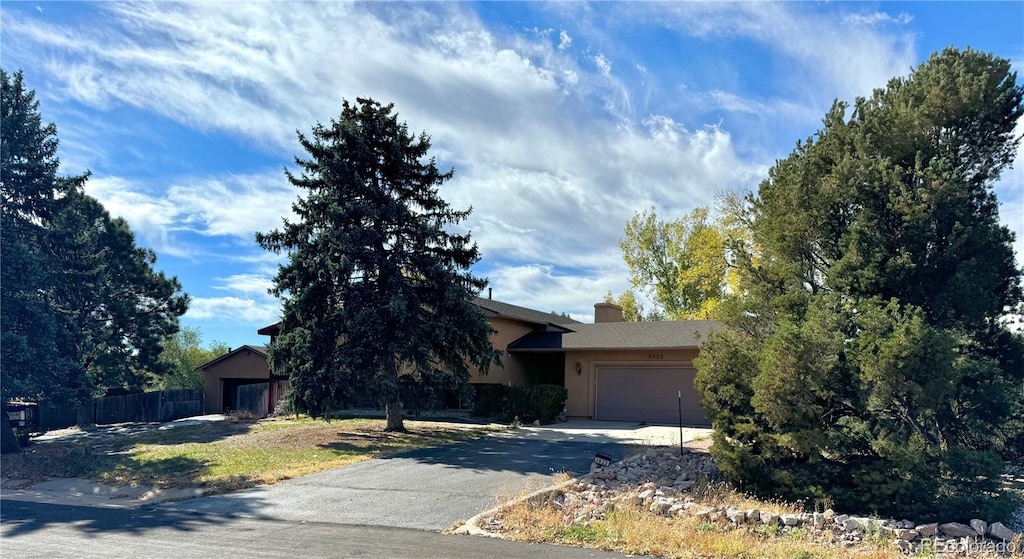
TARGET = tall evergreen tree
x,y
82,308
375,288
866,358
38,343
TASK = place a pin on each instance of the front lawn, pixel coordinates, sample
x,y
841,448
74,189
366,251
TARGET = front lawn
x,y
228,455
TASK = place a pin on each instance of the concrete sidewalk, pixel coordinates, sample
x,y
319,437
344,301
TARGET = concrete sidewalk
x,y
614,432
87,493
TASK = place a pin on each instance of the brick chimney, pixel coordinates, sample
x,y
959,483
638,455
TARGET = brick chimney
x,y
607,312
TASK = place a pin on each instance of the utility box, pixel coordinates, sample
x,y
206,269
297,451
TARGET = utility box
x,y
24,417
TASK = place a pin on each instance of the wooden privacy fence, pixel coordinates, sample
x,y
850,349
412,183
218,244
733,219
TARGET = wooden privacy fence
x,y
254,398
56,417
145,406
148,406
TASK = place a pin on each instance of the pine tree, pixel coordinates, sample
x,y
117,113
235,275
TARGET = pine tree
x,y
867,359
82,308
38,343
376,286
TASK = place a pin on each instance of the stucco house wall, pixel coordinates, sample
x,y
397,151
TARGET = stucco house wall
x,y
510,370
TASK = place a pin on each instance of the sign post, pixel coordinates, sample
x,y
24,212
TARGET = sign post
x,y
679,395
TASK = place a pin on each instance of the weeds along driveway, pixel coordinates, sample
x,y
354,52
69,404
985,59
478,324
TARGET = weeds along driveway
x,y
427,489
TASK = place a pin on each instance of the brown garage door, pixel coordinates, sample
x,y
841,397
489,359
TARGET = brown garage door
x,y
648,394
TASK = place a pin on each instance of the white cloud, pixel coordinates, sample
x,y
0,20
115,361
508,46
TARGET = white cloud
x,y
250,302
543,288
547,181
234,205
151,217
603,65
233,309
228,205
829,60
875,18
250,284
564,40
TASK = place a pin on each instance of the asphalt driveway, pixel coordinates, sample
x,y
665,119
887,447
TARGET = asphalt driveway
x,y
427,489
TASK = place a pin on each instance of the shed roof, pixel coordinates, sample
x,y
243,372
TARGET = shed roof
x,y
257,349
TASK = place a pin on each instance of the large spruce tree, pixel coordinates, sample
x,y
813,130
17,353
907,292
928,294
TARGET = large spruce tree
x,y
376,286
81,309
866,359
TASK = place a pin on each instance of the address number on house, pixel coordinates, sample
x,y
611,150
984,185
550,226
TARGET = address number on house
x,y
655,356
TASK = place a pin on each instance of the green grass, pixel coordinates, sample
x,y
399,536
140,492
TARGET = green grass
x,y
228,455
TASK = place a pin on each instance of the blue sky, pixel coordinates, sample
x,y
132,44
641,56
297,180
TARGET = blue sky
x,y
561,119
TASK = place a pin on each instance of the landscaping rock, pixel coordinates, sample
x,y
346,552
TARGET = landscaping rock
x,y
853,525
659,480
791,519
736,516
957,530
906,535
660,508
927,530
1000,532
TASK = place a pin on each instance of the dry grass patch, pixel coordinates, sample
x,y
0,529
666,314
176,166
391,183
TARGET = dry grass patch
x,y
720,494
639,532
228,455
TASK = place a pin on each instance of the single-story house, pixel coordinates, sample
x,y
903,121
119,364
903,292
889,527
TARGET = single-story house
x,y
613,370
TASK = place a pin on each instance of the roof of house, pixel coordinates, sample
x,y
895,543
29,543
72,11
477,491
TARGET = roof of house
x,y
272,330
524,314
490,308
622,335
258,349
639,335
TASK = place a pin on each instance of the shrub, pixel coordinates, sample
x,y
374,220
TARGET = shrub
x,y
548,401
528,403
491,400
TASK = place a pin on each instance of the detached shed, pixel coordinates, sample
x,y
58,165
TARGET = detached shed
x,y
244,366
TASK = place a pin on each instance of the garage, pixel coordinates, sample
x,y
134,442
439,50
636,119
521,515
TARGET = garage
x,y
647,394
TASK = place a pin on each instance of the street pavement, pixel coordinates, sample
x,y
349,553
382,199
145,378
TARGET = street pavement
x,y
37,530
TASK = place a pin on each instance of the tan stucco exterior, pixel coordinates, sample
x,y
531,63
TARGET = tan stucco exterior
x,y
510,370
245,364
581,387
548,349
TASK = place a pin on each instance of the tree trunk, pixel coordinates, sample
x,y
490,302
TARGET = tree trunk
x,y
8,440
394,414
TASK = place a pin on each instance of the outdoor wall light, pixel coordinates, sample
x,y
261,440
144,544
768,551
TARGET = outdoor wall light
x,y
579,368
